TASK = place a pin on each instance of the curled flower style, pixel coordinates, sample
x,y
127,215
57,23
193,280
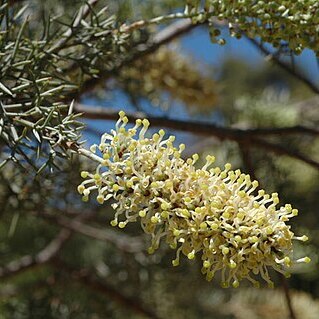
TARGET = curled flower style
x,y
215,213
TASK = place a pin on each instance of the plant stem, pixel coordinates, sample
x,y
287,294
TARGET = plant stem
x,y
90,155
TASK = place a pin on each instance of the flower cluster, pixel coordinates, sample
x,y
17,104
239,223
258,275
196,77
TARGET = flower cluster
x,y
294,22
215,213
176,76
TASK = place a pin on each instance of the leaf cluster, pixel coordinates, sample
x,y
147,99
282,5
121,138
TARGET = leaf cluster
x,y
41,74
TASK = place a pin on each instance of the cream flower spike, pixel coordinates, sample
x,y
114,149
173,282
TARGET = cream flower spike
x,y
212,213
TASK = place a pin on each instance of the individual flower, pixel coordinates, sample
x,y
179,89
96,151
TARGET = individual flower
x,y
214,213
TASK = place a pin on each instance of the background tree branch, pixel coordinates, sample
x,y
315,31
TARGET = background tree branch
x,y
250,136
42,257
84,277
122,241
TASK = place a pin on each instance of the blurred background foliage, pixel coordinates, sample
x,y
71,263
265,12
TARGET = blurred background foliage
x,y
61,259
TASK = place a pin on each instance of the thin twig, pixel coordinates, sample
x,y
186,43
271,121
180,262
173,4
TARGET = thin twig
x,y
157,20
281,150
285,66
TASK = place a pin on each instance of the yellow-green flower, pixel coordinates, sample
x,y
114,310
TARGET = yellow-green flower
x,y
213,213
